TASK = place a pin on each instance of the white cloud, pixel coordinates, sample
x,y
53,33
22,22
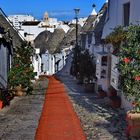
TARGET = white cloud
x,y
61,13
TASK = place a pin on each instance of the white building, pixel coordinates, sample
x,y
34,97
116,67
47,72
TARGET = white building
x,y
81,21
30,30
121,12
36,60
17,20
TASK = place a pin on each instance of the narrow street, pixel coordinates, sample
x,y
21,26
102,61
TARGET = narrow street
x,y
70,70
98,120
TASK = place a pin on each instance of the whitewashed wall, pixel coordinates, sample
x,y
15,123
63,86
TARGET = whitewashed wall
x,y
37,62
115,15
34,31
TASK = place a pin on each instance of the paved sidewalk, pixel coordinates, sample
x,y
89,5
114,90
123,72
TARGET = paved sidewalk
x,y
20,120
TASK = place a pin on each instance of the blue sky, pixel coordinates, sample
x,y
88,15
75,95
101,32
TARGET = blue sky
x,y
61,9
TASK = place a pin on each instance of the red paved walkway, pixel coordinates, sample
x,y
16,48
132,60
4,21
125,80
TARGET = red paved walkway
x,y
58,120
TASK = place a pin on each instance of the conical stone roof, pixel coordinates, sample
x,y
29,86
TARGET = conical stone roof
x,y
70,36
55,40
41,41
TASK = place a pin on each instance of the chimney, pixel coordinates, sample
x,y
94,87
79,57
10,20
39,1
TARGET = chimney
x,y
94,13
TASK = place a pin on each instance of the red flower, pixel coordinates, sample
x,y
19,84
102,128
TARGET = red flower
x,y
17,65
126,60
137,78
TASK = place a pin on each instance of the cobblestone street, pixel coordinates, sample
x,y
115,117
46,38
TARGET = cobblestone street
x,y
99,121
70,70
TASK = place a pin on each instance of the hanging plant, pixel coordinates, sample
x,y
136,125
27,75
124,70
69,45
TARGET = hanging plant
x,y
116,38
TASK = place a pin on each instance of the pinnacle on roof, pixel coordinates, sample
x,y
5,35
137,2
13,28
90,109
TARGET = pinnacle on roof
x,y
94,13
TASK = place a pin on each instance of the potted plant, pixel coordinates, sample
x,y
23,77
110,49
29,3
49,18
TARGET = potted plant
x,y
21,72
87,70
115,101
5,97
101,93
75,65
112,92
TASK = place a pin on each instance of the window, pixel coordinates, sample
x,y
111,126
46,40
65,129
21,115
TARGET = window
x,y
126,13
25,34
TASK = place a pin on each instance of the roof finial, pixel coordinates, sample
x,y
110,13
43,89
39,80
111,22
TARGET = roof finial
x,y
93,11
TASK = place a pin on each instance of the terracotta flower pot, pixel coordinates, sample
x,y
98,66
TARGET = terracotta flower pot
x,y
89,87
1,104
111,93
133,120
102,94
115,101
19,91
